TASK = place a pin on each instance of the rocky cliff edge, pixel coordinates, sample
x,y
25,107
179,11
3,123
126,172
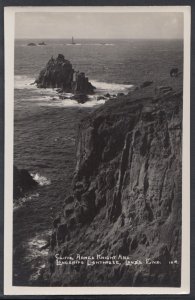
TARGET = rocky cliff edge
x,y
126,195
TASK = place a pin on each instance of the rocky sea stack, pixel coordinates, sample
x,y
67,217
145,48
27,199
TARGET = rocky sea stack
x,y
126,195
59,73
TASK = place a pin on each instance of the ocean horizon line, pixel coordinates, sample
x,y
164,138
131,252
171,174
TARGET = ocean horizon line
x,y
141,39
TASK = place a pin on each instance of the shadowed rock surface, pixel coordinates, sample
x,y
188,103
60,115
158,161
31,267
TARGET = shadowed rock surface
x,y
126,194
23,182
59,73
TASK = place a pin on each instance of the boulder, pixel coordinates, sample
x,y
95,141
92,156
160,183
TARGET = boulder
x,y
81,98
107,95
101,98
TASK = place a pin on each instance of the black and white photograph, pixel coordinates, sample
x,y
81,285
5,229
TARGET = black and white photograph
x,y
98,100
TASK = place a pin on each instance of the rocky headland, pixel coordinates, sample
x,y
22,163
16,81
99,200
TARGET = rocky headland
x,y
126,193
59,73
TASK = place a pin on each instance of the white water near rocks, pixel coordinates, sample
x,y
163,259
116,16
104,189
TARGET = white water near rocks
x,y
50,97
41,180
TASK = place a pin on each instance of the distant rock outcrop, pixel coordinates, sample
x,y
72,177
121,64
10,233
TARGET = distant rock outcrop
x,y
126,196
174,72
23,182
42,44
32,44
59,73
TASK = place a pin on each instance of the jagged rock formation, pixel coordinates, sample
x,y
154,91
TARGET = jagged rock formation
x,y
59,73
126,195
23,182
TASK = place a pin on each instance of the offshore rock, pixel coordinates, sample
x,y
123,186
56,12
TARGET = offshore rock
x,y
81,98
42,44
59,73
23,182
126,195
31,44
81,84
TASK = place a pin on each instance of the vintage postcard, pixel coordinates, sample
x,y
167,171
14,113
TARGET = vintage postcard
x,y
97,131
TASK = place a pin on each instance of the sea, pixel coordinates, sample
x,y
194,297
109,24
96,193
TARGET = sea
x,y
45,127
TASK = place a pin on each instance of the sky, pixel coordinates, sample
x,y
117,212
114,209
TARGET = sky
x,y
104,25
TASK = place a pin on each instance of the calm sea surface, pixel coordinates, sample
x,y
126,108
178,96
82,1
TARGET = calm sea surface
x,y
45,127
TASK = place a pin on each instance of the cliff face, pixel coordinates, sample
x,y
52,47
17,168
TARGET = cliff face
x,y
126,195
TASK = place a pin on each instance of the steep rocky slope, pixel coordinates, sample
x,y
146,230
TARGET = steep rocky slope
x,y
126,196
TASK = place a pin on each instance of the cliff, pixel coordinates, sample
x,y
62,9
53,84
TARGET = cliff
x,y
59,73
126,195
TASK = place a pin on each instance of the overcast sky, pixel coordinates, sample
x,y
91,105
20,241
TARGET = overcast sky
x,y
166,25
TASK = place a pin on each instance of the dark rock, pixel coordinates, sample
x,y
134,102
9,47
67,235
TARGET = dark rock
x,y
81,98
81,84
59,73
61,233
134,244
146,83
101,98
56,222
72,223
120,94
42,44
143,239
174,72
23,182
53,241
31,44
107,95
